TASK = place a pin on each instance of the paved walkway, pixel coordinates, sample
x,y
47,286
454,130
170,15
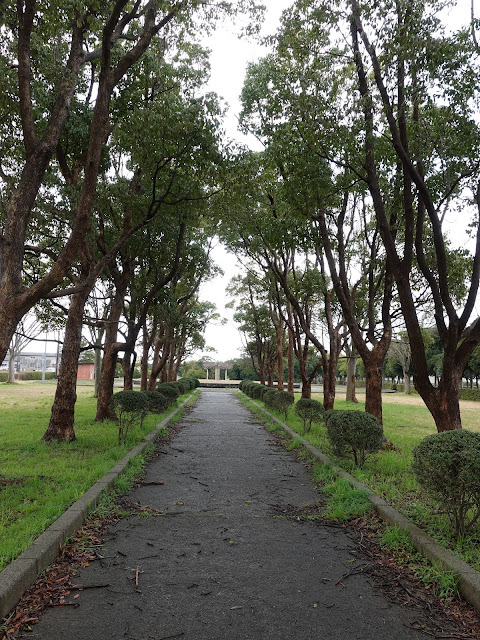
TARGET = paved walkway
x,y
218,564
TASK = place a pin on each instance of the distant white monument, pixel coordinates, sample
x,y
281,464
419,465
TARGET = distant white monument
x,y
218,368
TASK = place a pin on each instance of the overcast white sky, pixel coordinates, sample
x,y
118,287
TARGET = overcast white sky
x,y
229,59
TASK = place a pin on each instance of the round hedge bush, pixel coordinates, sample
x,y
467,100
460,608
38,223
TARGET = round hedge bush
x,y
169,390
356,431
447,466
157,402
183,385
269,398
130,407
258,391
248,387
283,400
309,411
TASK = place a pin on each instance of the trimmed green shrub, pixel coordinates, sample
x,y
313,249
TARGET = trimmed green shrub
x,y
3,376
169,390
309,411
470,394
194,382
327,414
248,387
157,402
130,407
183,385
262,390
447,466
278,400
269,398
33,375
283,400
258,391
356,431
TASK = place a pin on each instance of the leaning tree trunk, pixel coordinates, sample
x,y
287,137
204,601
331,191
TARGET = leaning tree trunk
x,y
62,418
158,362
290,352
107,379
406,382
110,354
280,338
98,362
146,344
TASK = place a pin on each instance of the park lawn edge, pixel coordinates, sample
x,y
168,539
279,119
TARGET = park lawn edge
x,y
21,573
467,578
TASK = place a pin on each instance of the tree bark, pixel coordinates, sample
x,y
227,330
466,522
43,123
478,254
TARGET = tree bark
x,y
373,385
291,351
406,382
111,349
98,362
61,426
128,366
280,330
306,387
11,368
352,358
146,344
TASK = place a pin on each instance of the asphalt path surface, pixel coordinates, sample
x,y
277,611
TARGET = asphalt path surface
x,y
217,561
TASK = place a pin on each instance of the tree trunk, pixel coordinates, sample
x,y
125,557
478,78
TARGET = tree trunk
x,y
280,338
352,359
443,403
171,363
373,386
306,388
11,368
330,365
351,368
157,364
329,386
107,378
98,362
270,377
291,354
63,411
128,369
406,382
144,360
110,353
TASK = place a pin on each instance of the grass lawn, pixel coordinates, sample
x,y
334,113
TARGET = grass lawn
x,y
406,422
38,481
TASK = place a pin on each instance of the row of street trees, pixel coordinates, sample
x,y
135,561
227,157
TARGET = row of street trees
x,y
368,114
111,163
115,179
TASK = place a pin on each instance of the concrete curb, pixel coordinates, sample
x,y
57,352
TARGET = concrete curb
x,y
468,579
20,574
